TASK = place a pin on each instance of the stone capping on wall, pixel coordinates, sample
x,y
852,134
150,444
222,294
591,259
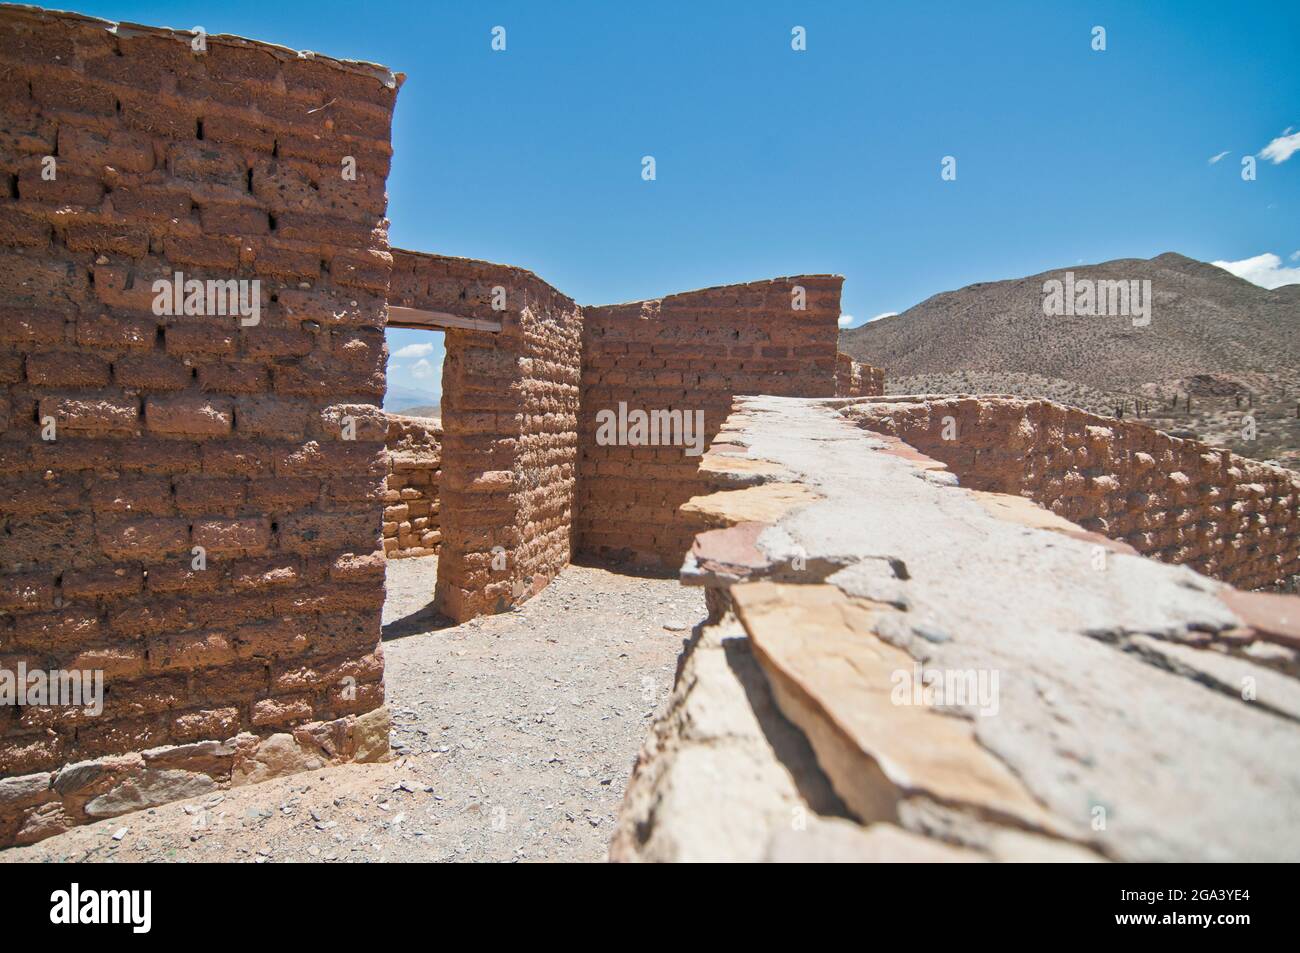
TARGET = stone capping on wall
x,y
842,558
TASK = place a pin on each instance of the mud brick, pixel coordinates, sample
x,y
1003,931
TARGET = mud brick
x,y
271,572
208,494
31,752
27,592
87,151
207,163
94,414
260,342
19,227
204,252
116,332
151,203
157,456
190,651
284,492
287,263
282,711
234,220
135,618
22,327
215,335
323,532
66,369
68,188
271,416
180,576
244,378
113,239
152,372
189,415
239,458
158,119
281,638
225,130
70,627
145,538
249,535
107,581
208,724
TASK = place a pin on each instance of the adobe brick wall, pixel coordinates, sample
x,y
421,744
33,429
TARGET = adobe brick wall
x,y
411,487
1179,501
175,432
509,417
691,351
857,380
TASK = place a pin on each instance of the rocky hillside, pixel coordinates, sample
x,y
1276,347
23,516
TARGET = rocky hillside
x,y
1217,349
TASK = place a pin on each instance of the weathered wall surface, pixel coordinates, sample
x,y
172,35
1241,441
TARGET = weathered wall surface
x,y
509,416
411,487
128,157
857,380
1176,500
961,680
687,352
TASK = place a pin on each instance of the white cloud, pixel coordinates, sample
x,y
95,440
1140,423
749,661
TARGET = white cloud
x,y
1265,270
421,369
1281,148
846,320
885,314
414,350
1214,159
1295,256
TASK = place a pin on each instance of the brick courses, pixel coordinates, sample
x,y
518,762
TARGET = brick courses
x,y
179,431
692,351
1180,501
411,487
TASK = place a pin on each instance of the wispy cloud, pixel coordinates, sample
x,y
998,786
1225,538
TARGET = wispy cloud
x,y
1281,148
883,314
846,320
1214,159
1265,270
414,350
421,369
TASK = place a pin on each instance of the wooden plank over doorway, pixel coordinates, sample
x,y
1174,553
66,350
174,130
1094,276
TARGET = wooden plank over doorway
x,y
399,317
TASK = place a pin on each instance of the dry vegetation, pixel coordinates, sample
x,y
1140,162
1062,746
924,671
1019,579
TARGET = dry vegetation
x,y
1230,347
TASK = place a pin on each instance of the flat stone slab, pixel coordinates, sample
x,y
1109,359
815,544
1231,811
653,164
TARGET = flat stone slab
x,y
1104,716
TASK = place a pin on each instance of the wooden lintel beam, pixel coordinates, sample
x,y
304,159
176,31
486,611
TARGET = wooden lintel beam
x,y
399,317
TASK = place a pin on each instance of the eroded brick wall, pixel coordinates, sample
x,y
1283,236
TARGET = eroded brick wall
x,y
1180,501
857,380
509,416
126,157
411,487
687,352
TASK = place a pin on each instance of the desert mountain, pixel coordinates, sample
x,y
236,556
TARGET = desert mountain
x,y
1230,346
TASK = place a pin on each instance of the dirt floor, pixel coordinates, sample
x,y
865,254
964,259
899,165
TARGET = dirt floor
x,y
515,733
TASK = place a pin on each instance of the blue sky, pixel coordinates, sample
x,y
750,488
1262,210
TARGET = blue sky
x,y
776,162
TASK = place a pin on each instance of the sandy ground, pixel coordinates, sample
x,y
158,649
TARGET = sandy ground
x,y
516,735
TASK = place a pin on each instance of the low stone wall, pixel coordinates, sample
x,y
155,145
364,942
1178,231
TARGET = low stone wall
x,y
1176,500
411,487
